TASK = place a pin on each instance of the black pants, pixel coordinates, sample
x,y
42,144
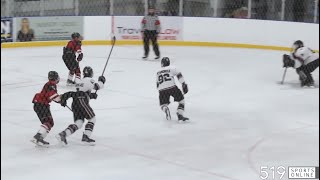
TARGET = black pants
x,y
82,109
307,70
44,114
175,92
147,36
69,58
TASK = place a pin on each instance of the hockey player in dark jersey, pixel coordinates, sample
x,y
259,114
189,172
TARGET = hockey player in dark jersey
x,y
41,106
72,55
81,107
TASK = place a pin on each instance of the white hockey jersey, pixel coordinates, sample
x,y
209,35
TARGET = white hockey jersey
x,y
165,77
304,56
87,84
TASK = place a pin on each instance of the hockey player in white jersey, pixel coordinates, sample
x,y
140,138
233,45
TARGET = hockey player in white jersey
x,y
304,60
167,88
81,107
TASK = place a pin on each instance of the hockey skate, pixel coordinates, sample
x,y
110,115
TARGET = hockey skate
x,y
307,84
61,137
157,57
38,140
87,140
167,111
145,57
182,118
70,83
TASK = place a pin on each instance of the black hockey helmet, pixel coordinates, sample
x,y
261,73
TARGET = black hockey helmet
x,y
297,44
165,61
53,76
75,35
87,72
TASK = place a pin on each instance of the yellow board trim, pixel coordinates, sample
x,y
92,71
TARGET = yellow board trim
x,y
164,43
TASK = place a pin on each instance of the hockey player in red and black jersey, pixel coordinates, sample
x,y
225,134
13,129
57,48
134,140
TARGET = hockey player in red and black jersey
x,y
72,55
41,106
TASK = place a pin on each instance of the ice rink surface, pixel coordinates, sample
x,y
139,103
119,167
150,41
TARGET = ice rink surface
x,y
241,118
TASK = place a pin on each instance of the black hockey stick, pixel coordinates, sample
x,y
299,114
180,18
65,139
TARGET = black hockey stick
x,y
113,43
69,108
284,75
105,66
65,106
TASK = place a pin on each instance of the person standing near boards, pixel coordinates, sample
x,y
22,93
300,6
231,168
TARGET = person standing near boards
x,y
150,28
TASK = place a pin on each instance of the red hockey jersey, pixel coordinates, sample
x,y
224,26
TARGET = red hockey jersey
x,y
75,46
47,94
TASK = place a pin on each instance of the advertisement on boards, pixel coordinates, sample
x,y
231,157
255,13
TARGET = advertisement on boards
x,y
47,28
6,30
129,28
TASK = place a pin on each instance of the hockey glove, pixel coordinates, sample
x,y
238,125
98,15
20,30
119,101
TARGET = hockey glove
x,y
64,97
80,57
102,79
63,102
93,95
287,61
185,88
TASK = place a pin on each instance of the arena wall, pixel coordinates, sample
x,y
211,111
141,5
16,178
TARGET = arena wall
x,y
212,32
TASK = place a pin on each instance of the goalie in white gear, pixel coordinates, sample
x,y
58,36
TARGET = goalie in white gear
x,y
80,106
304,60
167,88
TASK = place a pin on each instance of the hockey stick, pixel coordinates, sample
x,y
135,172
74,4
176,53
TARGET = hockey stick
x,y
65,106
113,43
105,66
69,108
284,75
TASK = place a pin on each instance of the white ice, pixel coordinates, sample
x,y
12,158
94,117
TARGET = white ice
x,y
241,118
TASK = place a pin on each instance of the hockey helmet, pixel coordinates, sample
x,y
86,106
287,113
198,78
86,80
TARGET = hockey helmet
x,y
297,44
53,76
165,61
87,72
75,35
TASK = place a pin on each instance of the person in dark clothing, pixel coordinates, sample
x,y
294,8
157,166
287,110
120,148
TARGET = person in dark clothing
x,y
150,27
25,33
